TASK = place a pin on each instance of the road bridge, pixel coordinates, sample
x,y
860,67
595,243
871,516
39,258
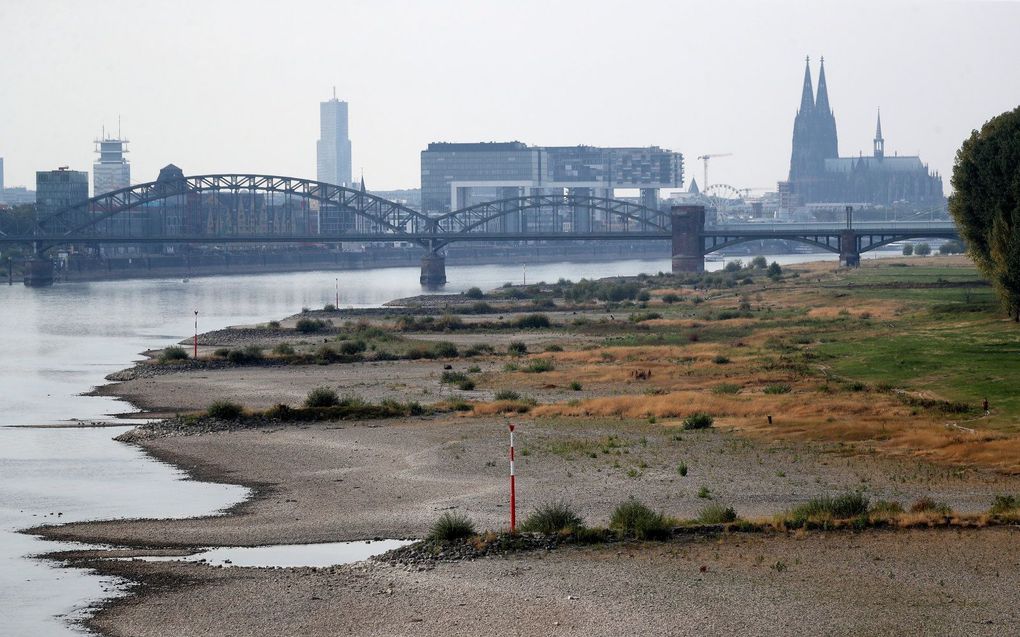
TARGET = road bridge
x,y
222,209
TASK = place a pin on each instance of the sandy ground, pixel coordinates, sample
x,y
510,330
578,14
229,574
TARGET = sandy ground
x,y
908,583
343,481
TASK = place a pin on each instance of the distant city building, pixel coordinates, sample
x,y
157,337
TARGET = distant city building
x,y
17,196
59,189
333,150
819,175
1,173
455,175
112,171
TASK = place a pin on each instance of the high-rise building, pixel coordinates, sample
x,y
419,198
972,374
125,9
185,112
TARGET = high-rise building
x,y
112,170
333,150
819,175
59,189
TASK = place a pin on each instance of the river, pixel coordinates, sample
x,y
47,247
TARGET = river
x,y
60,342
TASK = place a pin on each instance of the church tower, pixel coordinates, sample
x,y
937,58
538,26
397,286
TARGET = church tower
x,y
828,146
802,158
879,142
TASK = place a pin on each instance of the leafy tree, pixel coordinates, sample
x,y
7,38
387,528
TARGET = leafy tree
x,y
774,270
759,263
922,249
474,293
908,249
986,203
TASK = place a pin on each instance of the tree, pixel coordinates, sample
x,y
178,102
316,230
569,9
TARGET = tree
x,y
759,263
922,249
474,293
908,249
774,270
986,203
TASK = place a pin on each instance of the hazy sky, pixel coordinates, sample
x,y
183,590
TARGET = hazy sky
x,y
221,86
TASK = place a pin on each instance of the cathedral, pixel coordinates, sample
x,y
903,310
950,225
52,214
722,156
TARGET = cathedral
x,y
819,175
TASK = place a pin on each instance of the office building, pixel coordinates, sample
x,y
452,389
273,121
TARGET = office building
x,y
112,170
455,175
333,150
59,189
1,173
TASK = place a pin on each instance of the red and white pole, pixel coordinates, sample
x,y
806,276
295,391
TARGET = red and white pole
x,y
513,486
196,334
337,304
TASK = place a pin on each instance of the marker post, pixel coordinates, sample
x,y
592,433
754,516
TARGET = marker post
x,y
513,486
196,335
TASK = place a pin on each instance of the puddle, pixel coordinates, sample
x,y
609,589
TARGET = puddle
x,y
288,555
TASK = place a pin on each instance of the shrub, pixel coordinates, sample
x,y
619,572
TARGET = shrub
x,y
554,517
774,271
928,505
922,249
726,388
634,519
173,353
554,348
444,349
283,349
682,469
249,354
705,493
532,321
644,296
451,526
640,317
481,307
273,325
310,326
221,352
350,348
517,348
670,298
717,514
719,359
474,293
777,388
466,385
329,307
886,508
322,397
1004,504
734,266
698,420
452,377
224,410
759,263
539,365
841,507
575,385
908,249
507,394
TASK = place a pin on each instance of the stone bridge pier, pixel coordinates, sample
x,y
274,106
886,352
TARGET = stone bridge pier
x,y
849,253
688,225
433,270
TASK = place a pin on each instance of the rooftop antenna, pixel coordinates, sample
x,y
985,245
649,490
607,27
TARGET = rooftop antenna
x,y
118,128
334,91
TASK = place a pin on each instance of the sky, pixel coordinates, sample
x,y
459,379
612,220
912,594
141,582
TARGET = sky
x,y
234,86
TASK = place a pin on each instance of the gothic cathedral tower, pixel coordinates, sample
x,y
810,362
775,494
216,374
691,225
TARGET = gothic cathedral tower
x,y
814,137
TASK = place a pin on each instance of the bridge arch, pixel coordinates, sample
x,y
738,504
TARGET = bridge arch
x,y
392,217
817,242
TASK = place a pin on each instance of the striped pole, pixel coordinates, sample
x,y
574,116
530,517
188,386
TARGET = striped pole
x,y
513,486
196,335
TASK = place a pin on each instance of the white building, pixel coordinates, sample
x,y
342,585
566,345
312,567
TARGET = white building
x,y
112,171
333,150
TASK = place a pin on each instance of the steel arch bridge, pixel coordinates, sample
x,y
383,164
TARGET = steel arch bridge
x,y
157,212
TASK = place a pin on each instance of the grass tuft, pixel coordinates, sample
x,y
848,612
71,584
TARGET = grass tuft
x,y
553,517
634,519
451,526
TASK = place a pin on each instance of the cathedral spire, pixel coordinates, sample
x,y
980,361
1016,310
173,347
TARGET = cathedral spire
x,y
807,96
879,142
822,102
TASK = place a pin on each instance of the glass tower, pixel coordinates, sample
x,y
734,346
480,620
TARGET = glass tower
x,y
333,150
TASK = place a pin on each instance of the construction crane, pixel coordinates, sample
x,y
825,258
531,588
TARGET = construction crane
x,y
705,158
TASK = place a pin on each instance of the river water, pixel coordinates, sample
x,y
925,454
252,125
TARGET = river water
x,y
60,342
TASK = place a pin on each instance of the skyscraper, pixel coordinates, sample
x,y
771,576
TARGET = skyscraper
x,y
333,150
112,171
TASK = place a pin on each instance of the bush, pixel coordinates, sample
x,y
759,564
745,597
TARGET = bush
x,y
451,526
734,266
555,517
640,317
517,348
224,410
575,385
310,326
554,348
777,388
329,307
670,298
1004,504
759,263
929,505
922,249
474,293
908,249
444,349
273,325
886,508
466,385
507,394
532,321
221,352
698,420
322,397
717,514
634,519
774,271
283,349
350,348
841,507
249,354
644,296
173,353
452,377
719,359
726,388
481,308
539,365
682,469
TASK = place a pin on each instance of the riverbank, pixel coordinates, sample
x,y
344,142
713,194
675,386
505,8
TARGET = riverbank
x,y
599,393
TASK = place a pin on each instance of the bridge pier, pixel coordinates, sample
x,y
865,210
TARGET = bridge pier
x,y
38,272
849,253
433,270
688,224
